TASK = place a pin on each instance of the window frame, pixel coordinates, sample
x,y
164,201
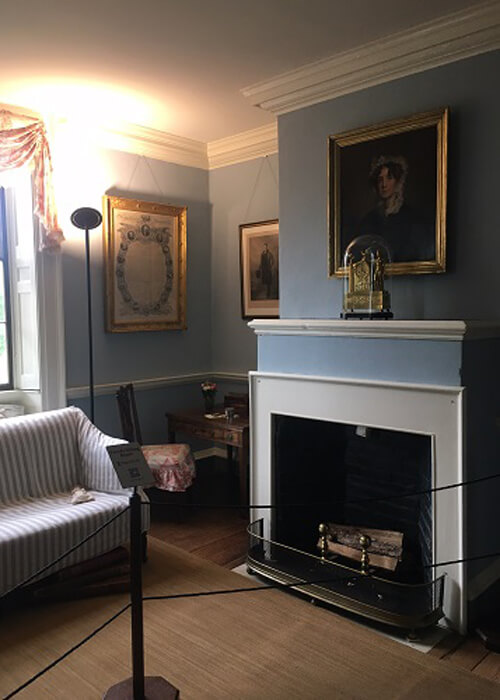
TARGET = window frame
x,y
5,259
45,389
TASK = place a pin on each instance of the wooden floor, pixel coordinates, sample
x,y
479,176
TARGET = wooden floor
x,y
219,535
261,645
252,645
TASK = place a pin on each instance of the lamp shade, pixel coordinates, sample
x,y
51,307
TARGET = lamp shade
x,y
86,218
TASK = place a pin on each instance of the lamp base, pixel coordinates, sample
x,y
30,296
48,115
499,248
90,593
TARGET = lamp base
x,y
155,688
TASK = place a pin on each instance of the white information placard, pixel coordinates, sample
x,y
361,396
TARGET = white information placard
x,y
130,465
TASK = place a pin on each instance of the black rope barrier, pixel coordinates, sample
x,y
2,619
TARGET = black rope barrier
x,y
424,492
66,653
268,587
374,499
351,577
354,576
64,554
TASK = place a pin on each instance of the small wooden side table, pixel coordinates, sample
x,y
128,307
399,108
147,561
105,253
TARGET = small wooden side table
x,y
234,433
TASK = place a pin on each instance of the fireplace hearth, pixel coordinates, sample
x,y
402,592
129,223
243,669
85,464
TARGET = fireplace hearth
x,y
356,476
325,471
408,606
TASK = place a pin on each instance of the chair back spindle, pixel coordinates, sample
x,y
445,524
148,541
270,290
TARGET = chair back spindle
x,y
129,418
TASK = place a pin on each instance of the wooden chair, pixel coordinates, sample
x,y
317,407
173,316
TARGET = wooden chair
x,y
172,464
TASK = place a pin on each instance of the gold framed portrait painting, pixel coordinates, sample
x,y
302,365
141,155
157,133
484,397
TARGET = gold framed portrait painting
x,y
389,180
145,258
259,258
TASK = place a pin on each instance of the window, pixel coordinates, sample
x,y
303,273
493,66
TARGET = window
x,y
31,307
5,316
21,297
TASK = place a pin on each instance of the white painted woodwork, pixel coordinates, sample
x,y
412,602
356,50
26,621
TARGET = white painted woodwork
x,y
436,411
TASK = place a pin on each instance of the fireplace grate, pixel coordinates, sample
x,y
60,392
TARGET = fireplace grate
x,y
409,606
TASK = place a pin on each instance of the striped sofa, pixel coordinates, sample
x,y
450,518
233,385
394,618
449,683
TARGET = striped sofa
x,y
43,456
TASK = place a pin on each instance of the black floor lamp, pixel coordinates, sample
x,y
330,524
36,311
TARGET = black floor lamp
x,y
88,218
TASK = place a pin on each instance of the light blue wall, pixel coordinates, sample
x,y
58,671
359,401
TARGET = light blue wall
x,y
470,288
381,359
239,194
217,338
123,357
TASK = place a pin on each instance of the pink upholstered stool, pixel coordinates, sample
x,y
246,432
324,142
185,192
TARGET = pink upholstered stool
x,y
172,465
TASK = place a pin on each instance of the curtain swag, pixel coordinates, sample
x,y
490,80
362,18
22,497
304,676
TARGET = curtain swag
x,y
23,140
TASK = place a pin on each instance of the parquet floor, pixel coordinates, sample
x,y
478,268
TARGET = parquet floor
x,y
219,535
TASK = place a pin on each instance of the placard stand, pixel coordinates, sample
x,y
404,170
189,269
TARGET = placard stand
x,y
137,687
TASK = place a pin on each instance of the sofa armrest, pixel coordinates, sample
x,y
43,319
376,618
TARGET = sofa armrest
x,y
96,469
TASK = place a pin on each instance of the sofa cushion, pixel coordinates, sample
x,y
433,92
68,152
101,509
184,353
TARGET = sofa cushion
x,y
36,532
38,454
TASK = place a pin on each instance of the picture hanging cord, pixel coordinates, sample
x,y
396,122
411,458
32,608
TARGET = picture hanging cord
x,y
138,160
252,195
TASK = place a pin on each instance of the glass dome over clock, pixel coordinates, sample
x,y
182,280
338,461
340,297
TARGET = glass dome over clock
x,y
367,289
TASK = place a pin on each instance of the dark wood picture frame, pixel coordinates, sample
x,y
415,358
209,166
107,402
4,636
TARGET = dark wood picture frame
x,y
390,180
259,269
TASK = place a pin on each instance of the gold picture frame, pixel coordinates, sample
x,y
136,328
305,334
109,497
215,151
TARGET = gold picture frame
x,y
259,264
145,262
405,162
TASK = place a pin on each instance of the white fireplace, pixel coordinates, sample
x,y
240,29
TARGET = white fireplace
x,y
429,408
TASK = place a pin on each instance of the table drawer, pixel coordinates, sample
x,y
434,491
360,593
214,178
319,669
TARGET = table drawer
x,y
231,437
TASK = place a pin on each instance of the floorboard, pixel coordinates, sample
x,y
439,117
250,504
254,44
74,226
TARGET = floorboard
x,y
257,645
251,645
219,535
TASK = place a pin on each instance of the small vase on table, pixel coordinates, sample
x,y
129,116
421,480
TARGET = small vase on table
x,y
209,389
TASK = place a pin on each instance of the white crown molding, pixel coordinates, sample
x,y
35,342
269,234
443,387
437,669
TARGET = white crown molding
x,y
182,151
255,143
453,37
152,143
79,392
415,330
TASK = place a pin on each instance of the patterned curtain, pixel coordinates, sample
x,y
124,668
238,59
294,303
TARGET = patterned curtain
x,y
23,140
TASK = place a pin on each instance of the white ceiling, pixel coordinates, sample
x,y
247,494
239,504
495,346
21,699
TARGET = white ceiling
x,y
179,65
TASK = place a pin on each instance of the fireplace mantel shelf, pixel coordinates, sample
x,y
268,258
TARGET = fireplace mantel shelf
x,y
352,328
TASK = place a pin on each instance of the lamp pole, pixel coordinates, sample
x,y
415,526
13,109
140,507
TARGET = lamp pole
x,y
87,218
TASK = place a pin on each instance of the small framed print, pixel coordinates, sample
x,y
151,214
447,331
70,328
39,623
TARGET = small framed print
x,y
145,258
259,259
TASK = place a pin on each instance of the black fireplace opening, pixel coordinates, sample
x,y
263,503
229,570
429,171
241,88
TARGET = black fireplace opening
x,y
353,475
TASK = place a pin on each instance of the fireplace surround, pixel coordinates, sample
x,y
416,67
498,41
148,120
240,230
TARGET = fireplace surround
x,y
431,379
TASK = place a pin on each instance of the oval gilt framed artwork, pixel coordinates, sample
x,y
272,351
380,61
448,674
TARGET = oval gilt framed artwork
x,y
145,257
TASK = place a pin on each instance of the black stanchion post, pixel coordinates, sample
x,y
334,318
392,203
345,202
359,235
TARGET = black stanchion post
x,y
136,596
138,687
